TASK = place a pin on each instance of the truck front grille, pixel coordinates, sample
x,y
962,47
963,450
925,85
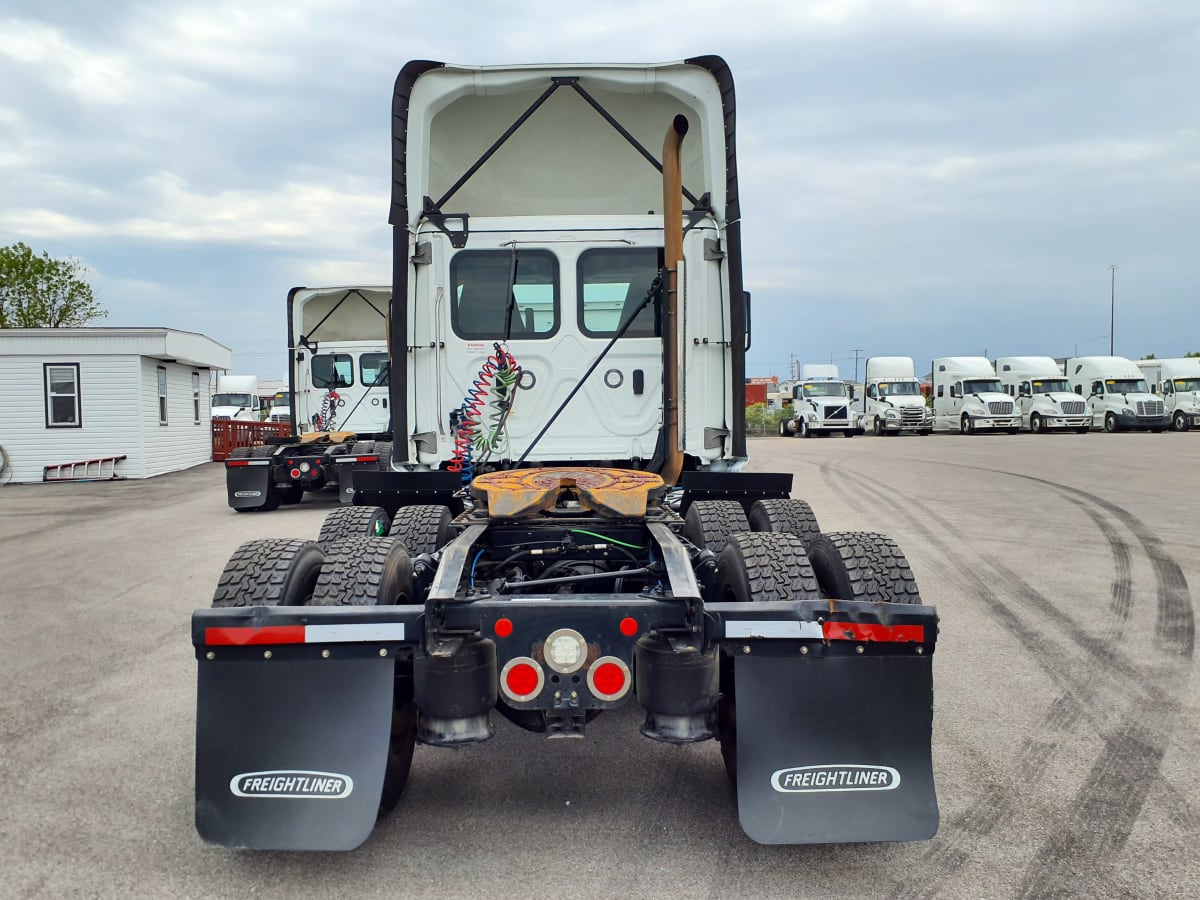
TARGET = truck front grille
x,y
912,415
1151,409
1001,408
835,412
1073,407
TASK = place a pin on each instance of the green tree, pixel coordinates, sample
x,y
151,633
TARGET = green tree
x,y
1149,356
43,292
1193,354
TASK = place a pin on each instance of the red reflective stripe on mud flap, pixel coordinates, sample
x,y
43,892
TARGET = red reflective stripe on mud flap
x,y
269,634
856,631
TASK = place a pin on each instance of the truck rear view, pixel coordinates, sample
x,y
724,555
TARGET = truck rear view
x,y
564,527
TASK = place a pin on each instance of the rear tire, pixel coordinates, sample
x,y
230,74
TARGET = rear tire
x,y
785,516
863,565
383,449
756,566
354,521
423,528
365,571
290,495
709,523
271,572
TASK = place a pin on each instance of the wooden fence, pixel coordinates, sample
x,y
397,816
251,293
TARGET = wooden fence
x,y
230,433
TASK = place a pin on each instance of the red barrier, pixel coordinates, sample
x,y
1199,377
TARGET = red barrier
x,y
230,433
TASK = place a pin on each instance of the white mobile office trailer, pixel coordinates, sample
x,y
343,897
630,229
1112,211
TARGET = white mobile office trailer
x,y
131,402
821,404
892,401
968,397
1177,381
1043,395
1118,395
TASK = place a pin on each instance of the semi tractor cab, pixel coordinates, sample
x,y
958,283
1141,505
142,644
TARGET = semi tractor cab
x,y
1177,382
1043,394
892,401
968,397
821,405
565,526
1117,393
338,402
237,398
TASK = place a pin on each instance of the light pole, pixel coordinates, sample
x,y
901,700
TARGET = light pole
x,y
1112,311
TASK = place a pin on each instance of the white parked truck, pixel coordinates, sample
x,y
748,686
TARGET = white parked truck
x,y
892,401
820,404
1043,394
968,397
564,527
1117,393
338,402
1177,382
236,398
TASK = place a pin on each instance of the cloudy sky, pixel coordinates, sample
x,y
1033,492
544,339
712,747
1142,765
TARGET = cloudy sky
x,y
920,178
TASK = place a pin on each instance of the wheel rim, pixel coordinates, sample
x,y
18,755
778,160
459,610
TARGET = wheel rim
x,y
1110,422
1035,423
965,425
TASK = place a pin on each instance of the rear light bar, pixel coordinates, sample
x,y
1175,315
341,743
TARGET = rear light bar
x,y
304,634
232,463
790,629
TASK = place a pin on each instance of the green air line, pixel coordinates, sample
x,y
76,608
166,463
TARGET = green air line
x,y
605,538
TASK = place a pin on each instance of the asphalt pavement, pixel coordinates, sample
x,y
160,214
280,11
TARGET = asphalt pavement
x,y
1066,713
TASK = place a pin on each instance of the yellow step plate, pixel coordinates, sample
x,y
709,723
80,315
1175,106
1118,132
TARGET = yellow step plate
x,y
607,492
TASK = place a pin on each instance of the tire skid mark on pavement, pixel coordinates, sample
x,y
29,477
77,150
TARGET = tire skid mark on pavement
x,y
1106,809
1133,751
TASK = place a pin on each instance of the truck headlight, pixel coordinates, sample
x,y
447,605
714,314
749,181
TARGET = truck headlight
x,y
891,414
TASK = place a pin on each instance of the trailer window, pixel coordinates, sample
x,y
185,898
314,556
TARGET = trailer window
x,y
373,369
612,283
479,280
195,398
332,370
62,395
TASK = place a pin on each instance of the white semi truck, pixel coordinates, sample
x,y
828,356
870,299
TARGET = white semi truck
x,y
892,401
236,398
1043,394
1177,382
968,397
820,404
1117,393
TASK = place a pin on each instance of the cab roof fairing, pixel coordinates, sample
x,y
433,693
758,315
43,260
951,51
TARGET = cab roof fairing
x,y
565,158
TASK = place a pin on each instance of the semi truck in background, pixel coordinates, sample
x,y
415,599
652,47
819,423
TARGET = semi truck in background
x,y
565,525
337,402
968,397
237,398
820,404
1043,395
892,401
1117,394
1177,382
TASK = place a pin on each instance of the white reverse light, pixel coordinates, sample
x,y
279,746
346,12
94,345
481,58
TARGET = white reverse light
x,y
565,651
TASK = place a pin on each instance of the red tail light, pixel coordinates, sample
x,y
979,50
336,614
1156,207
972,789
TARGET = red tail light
x,y
609,679
522,679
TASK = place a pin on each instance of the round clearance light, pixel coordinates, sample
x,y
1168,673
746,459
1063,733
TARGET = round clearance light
x,y
295,473
504,627
304,467
522,679
565,651
608,678
629,626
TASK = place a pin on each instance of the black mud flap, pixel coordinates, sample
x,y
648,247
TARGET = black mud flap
x,y
290,754
835,749
248,484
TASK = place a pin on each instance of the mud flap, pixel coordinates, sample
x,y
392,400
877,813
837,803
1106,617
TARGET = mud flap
x,y
290,754
248,485
835,749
